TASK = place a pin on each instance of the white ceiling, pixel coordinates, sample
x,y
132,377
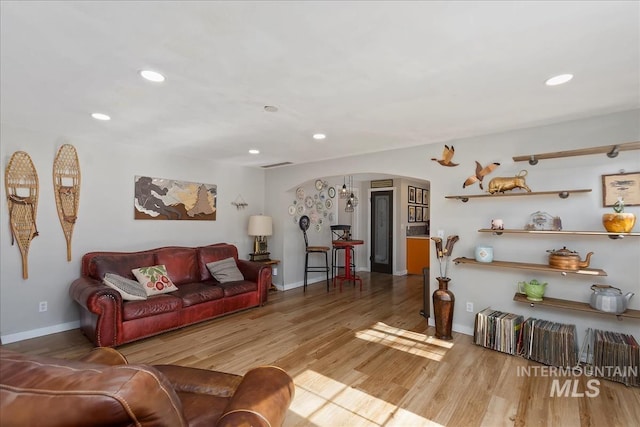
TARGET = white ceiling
x,y
371,75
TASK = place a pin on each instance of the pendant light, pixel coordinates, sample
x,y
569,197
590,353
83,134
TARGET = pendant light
x,y
344,193
350,197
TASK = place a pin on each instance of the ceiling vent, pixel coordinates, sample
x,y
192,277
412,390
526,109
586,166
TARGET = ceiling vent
x,y
276,165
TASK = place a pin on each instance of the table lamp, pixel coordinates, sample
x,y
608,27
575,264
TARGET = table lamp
x,y
260,226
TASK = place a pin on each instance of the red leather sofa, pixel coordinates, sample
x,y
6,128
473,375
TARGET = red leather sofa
x,y
108,321
102,389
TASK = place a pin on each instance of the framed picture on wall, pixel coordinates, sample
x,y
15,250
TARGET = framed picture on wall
x,y
425,196
419,196
412,194
418,214
425,213
623,185
412,214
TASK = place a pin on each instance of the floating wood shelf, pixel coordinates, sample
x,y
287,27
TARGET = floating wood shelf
x,y
565,232
573,305
563,194
611,151
529,266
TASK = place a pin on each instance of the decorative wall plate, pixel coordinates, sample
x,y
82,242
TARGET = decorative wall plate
x,y
300,209
332,192
318,227
292,210
319,206
308,202
300,193
328,203
323,195
331,216
319,184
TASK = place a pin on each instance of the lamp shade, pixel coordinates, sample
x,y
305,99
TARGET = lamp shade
x,y
260,225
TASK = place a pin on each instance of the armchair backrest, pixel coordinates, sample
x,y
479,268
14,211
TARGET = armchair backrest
x,y
42,391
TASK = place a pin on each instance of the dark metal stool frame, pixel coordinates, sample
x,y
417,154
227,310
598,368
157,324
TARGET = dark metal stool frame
x,y
340,232
304,226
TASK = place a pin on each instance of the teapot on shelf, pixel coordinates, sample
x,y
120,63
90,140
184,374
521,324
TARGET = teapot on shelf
x,y
567,259
609,299
533,289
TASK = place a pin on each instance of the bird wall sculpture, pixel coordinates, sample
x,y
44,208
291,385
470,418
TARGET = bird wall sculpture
x,y
447,155
480,174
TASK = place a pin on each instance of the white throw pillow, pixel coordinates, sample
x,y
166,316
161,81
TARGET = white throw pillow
x,y
130,290
225,270
154,279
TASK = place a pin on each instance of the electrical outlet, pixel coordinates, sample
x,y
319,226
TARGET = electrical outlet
x,y
275,271
441,234
470,307
42,307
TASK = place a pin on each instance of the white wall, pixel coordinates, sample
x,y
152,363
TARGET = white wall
x,y
495,287
106,217
105,222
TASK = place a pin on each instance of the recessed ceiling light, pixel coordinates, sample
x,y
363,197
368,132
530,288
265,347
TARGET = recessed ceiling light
x,y
319,136
152,76
558,80
100,116
270,108
254,151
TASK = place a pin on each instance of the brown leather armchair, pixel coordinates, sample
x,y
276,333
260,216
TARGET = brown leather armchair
x,y
103,389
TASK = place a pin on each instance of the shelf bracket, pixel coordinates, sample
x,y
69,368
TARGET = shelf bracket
x,y
463,199
533,161
563,194
614,152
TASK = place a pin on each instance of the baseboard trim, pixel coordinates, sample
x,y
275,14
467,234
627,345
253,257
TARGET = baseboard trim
x,y
35,333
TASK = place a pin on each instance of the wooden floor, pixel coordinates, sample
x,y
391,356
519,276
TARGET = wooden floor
x,y
368,359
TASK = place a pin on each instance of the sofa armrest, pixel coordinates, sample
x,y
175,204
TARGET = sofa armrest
x,y
87,292
259,273
105,356
261,399
101,310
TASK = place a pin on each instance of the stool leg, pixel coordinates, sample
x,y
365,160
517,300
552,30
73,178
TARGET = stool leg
x,y
326,263
306,264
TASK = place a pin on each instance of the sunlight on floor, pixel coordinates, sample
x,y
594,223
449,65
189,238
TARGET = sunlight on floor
x,y
321,398
407,341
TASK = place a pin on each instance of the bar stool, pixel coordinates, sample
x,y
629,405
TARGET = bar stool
x,y
304,226
340,232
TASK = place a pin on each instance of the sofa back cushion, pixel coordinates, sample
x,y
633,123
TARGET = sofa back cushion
x,y
42,391
218,252
181,264
119,263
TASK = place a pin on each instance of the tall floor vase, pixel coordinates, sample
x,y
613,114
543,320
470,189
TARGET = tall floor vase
x,y
443,301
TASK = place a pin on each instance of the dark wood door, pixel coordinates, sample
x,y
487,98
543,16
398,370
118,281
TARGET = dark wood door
x,y
382,231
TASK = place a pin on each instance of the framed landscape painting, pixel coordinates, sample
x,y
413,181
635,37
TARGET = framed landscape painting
x,y
169,199
625,186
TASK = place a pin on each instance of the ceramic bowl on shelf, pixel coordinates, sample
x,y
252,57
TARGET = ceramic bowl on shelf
x,y
619,222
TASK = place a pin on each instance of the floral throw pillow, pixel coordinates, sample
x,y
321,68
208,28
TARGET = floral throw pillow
x,y
154,279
